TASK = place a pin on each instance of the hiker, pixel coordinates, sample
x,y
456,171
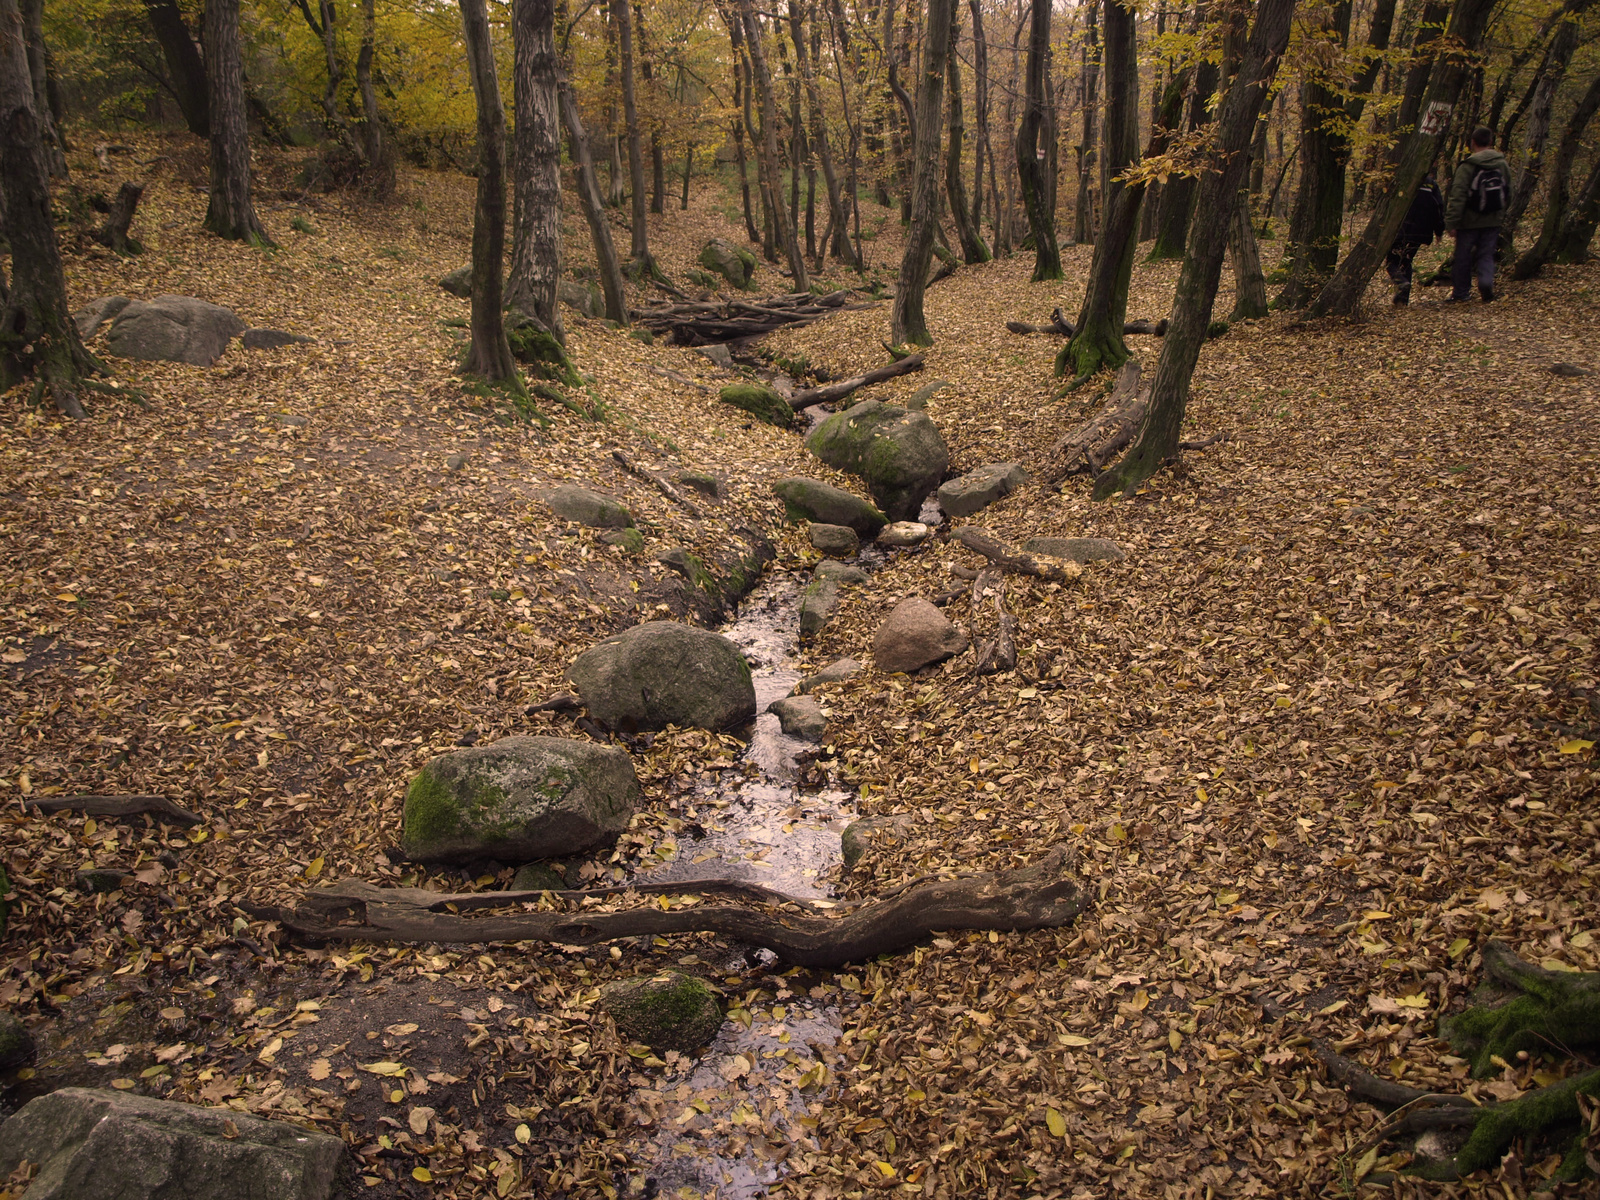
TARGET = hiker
x,y
1424,222
1478,195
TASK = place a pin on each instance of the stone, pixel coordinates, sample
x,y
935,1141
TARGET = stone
x,y
455,462
920,397
861,837
584,298
99,880
841,572
629,540
717,353
642,335
271,339
838,540
707,485
97,312
666,1011
689,566
1081,550
292,422
760,401
809,500
800,717
173,329
734,263
904,533
1569,370
538,877
976,490
901,455
593,509
663,673
915,635
834,672
459,282
98,1144
16,1043
820,599
518,799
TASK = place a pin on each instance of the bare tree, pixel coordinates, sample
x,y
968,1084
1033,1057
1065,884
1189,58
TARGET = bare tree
x,y
972,248
1031,153
536,170
783,227
230,214
594,209
186,72
622,17
1557,204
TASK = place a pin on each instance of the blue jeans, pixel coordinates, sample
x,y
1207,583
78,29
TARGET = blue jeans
x,y
1474,257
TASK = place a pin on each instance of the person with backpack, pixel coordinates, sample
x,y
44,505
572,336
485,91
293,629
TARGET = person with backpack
x,y
1478,195
1424,222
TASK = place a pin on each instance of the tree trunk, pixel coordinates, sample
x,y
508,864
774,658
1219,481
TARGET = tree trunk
x,y
536,172
783,228
622,17
1089,100
1097,339
972,248
489,355
1312,251
741,113
113,235
50,141
1178,194
1218,193
688,170
980,102
1414,154
332,114
1577,231
1249,284
185,70
380,166
1030,154
594,209
230,213
1555,209
830,178
37,333
1151,207
907,324
1551,73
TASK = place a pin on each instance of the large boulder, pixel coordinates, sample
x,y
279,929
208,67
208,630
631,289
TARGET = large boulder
x,y
976,490
594,509
809,500
518,799
1081,550
97,312
667,1011
662,673
173,329
760,401
733,263
900,454
915,635
97,1144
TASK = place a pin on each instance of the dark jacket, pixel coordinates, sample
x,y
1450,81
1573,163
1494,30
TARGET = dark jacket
x,y
1424,219
1458,214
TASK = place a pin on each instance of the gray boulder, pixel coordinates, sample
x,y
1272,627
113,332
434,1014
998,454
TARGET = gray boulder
x,y
97,1144
901,455
820,600
581,297
628,539
904,533
920,397
518,799
809,500
96,313
588,508
800,717
458,282
173,329
915,635
662,673
834,672
706,484
271,339
717,353
978,489
736,265
667,1011
838,540
1080,550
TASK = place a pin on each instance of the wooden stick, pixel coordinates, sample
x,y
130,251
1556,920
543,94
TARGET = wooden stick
x,y
661,485
117,806
1002,556
841,388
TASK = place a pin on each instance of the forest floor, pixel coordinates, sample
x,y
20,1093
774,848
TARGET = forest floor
x,y
1325,729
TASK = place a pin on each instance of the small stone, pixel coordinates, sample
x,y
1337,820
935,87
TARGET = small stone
x,y
1081,550
642,335
630,541
978,489
838,540
584,298
455,462
820,600
458,283
842,572
717,353
271,339
292,422
538,877
99,880
588,508
834,672
800,717
689,566
915,635
904,533
707,485
667,1011
920,397
1569,370
16,1043
859,837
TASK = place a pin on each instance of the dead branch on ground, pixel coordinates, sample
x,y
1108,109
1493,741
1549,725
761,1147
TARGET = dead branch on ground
x,y
1061,327
1004,557
660,484
159,807
840,388
1092,444
999,653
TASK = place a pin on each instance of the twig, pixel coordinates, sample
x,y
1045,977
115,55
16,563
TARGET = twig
x,y
117,806
1205,443
839,389
660,484
676,377
1003,556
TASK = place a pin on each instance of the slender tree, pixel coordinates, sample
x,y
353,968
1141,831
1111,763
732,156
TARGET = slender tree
x,y
907,322
972,248
1177,194
230,213
594,209
783,227
536,171
1088,154
1557,206
380,165
1219,189
1577,230
186,71
1031,153
980,103
622,17
830,177
1551,73
741,109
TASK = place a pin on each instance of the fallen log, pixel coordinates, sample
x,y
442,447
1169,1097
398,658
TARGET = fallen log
x,y
1004,557
117,806
701,322
841,388
1040,896
660,484
1091,445
1062,327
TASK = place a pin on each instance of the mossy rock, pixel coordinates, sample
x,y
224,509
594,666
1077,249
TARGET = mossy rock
x,y
518,799
901,455
734,263
642,335
811,500
538,877
536,348
760,402
16,1043
664,673
458,283
629,541
690,567
702,482
594,509
667,1011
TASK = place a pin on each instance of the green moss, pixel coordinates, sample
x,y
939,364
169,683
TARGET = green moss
x,y
851,847
1536,1112
760,402
541,353
431,812
670,1011
642,335
630,540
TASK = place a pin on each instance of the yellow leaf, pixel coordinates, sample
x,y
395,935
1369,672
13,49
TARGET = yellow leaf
x,y
884,1169
314,867
320,1069
524,1134
422,1174
1458,947
1072,1039
1417,1001
1200,795
1576,746
1056,1122
67,598
122,1085
1282,702
1377,915
1366,1163
172,1014
384,1068
1477,738
1336,1006
1175,1040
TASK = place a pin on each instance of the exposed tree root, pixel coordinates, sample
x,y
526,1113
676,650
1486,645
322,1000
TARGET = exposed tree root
x,y
117,806
1034,897
1004,557
1092,444
999,653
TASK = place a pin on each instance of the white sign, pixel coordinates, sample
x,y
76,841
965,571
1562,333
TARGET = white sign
x,y
1433,121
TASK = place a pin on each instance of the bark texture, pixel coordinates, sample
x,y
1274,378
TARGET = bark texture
x,y
186,72
622,18
908,326
536,156
783,227
837,213
1556,210
594,209
231,213
1031,153
972,248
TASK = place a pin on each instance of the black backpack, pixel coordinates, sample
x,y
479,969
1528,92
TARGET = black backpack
x,y
1487,191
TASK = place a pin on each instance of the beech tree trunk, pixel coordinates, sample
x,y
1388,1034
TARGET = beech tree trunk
x,y
536,176
332,114
1219,191
907,323
1415,152
1556,209
37,334
50,140
1314,225
980,104
230,213
972,248
1177,194
639,251
1088,156
186,72
594,209
1553,71
1577,231
489,354
837,213
1031,154
783,227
